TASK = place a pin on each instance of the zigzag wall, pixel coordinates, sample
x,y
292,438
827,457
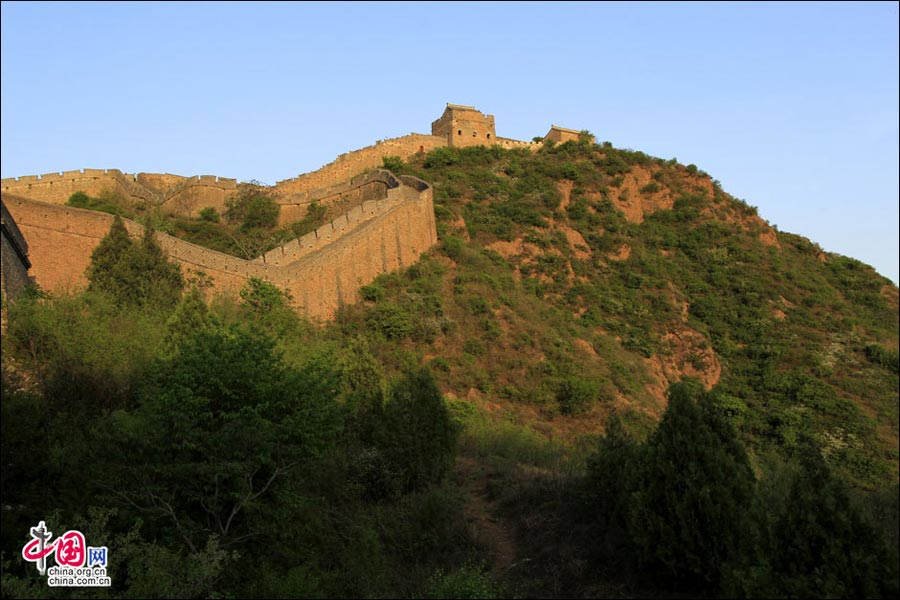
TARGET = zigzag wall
x,y
176,194
333,183
321,270
347,165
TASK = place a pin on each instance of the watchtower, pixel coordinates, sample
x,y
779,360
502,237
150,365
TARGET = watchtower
x,y
465,126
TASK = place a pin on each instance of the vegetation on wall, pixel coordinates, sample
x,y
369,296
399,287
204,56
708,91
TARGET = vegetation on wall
x,y
247,228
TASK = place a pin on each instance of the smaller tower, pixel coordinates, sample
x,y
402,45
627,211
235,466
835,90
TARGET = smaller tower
x,y
561,134
465,126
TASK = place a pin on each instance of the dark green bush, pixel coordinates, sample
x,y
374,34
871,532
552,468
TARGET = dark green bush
x,y
209,214
372,292
391,320
253,207
650,188
576,394
418,436
134,273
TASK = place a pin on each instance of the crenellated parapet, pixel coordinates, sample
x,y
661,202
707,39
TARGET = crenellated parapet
x,y
349,164
57,187
378,201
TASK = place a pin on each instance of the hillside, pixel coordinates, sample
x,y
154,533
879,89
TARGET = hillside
x,y
583,279
485,421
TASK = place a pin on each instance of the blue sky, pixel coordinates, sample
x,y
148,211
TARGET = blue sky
x,y
792,106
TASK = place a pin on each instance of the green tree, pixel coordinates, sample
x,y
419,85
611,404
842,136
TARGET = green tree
x,y
157,282
222,427
612,479
576,394
269,306
363,383
418,437
694,511
190,317
253,207
469,581
103,272
822,547
209,214
135,274
261,297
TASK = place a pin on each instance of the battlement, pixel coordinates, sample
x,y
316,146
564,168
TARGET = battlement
x,y
392,193
297,189
59,176
58,186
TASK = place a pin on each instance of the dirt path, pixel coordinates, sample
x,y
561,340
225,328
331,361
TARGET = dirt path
x,y
489,532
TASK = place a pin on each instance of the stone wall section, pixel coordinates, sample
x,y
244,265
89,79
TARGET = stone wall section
x,y
353,163
511,144
14,261
179,195
458,126
377,237
57,187
192,195
336,229
370,185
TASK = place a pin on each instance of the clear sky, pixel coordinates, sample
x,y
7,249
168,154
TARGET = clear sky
x,y
792,106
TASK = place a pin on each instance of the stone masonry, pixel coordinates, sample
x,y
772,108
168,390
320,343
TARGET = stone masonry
x,y
14,261
321,270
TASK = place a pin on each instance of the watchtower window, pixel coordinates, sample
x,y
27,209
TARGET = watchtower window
x,y
459,132
489,136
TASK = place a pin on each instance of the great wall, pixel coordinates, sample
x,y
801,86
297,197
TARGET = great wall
x,y
388,223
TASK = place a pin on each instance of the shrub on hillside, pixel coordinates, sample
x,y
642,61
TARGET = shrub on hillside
x,y
418,436
209,214
253,207
131,273
108,201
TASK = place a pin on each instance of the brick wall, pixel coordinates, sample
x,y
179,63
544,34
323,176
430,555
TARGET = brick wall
x,y
375,238
353,163
14,261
